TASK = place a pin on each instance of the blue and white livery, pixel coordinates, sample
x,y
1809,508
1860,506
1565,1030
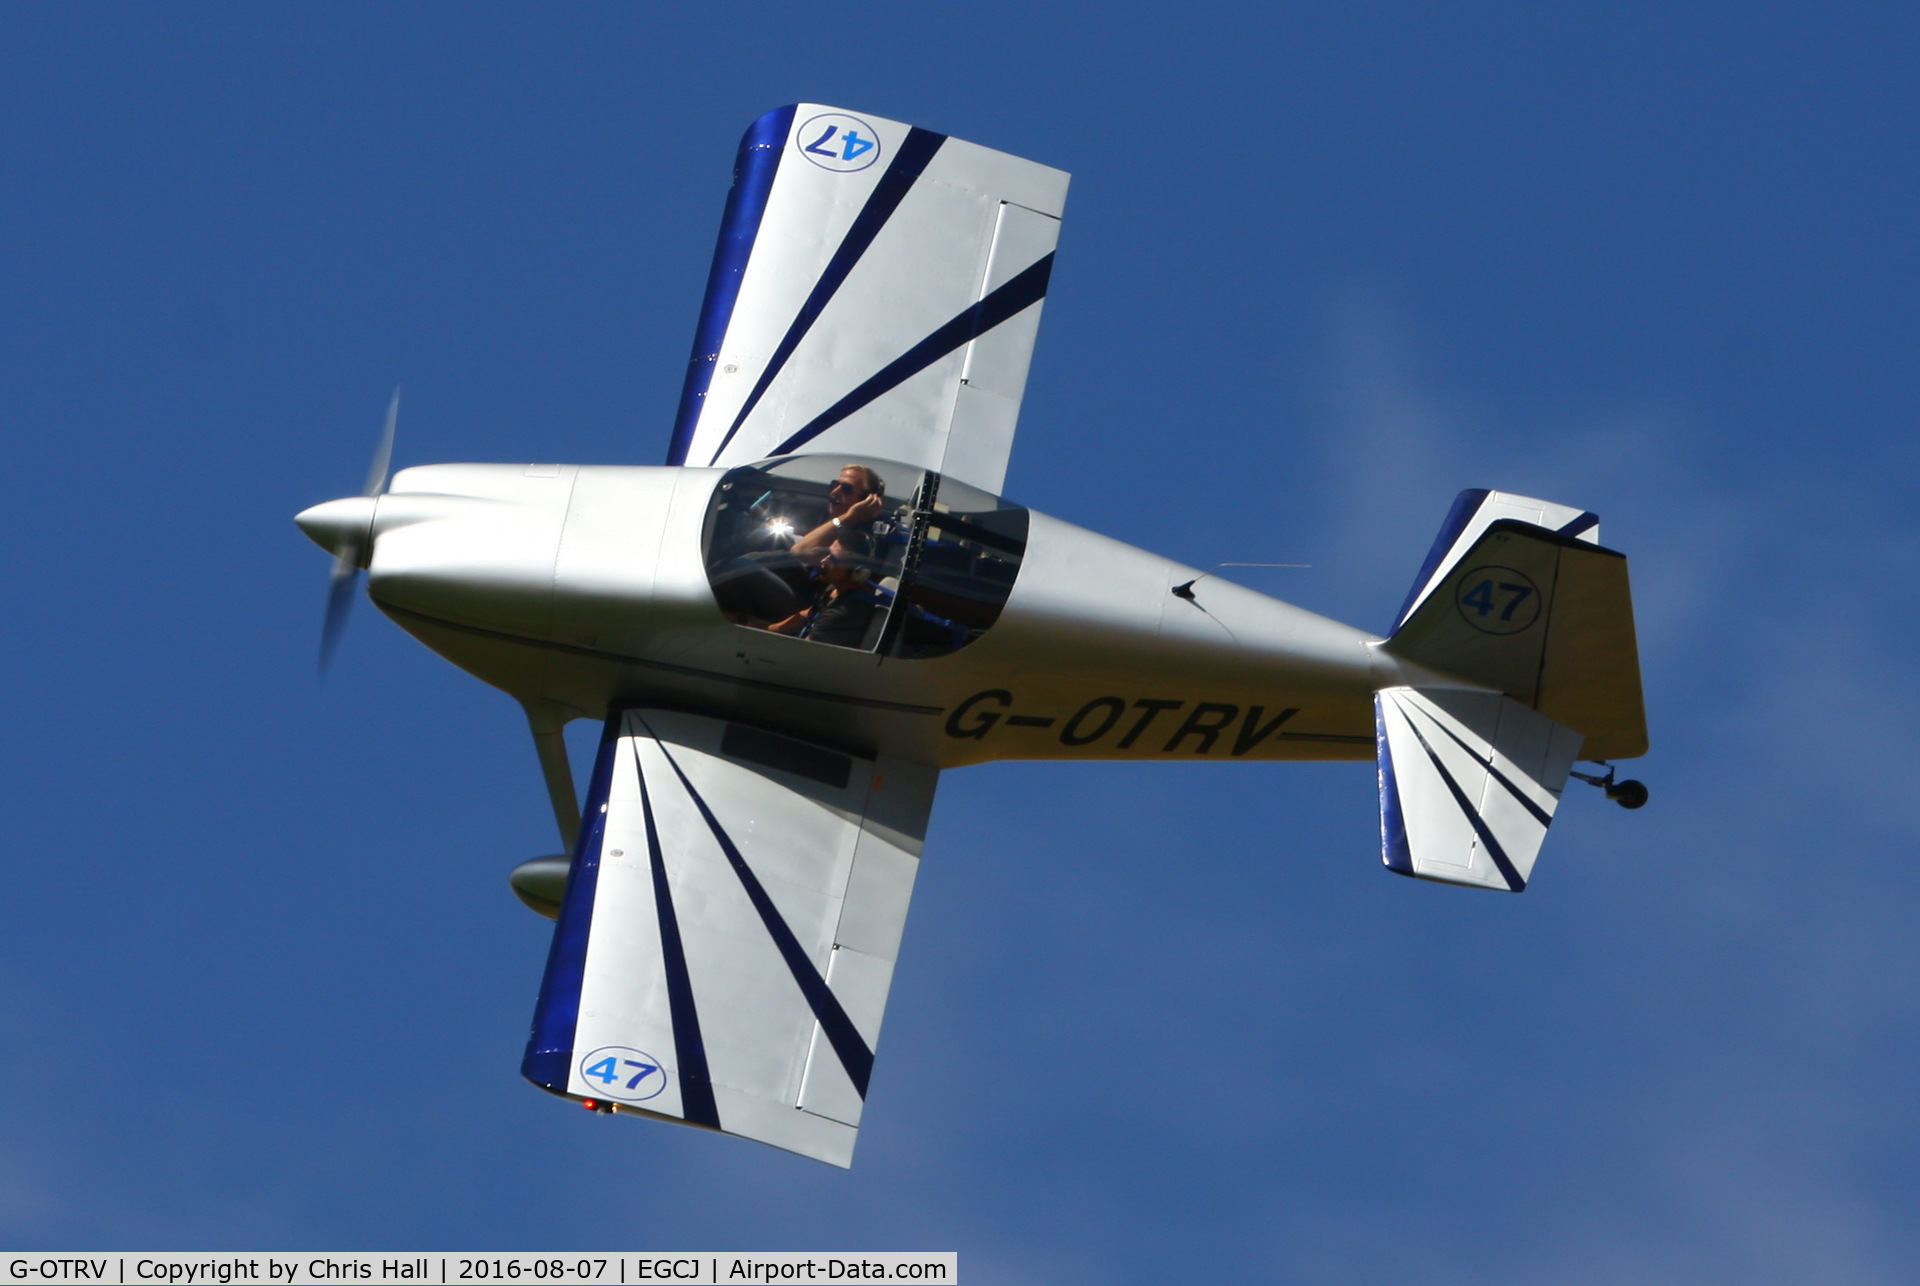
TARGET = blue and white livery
x,y
737,906
822,601
876,291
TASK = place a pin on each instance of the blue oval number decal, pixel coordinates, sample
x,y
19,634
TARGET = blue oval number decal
x,y
836,141
1498,600
622,1074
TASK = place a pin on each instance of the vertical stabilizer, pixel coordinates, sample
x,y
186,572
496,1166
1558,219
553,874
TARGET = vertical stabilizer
x,y
1517,595
1473,512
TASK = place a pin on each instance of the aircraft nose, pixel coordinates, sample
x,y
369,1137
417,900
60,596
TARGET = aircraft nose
x,y
339,523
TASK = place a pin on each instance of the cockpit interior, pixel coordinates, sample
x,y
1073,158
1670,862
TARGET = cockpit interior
x,y
867,554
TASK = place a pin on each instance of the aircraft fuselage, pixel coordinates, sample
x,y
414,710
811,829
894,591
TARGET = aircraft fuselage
x,y
578,588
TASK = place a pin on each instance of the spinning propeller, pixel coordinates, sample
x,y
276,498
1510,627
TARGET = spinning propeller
x,y
345,528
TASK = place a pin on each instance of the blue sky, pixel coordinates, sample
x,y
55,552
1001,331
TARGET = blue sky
x,y
262,983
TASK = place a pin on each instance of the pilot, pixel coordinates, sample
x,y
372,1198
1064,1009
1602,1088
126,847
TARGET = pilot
x,y
844,607
854,500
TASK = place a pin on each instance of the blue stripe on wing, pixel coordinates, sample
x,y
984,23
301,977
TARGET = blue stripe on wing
x,y
1018,294
549,1058
753,171
1540,814
847,1042
907,164
1494,851
689,1048
1393,823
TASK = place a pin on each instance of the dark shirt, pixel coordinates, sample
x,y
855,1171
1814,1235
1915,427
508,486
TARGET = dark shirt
x,y
844,618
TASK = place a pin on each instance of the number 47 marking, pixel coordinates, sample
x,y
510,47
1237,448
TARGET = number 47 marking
x,y
1480,598
852,145
608,1071
817,150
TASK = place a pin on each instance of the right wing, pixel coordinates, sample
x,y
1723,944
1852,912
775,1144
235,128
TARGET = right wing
x,y
876,292
729,930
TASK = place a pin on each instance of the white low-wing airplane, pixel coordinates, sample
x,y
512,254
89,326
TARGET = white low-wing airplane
x,y
821,601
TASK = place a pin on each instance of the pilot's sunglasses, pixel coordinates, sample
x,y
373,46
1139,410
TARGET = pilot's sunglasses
x,y
838,485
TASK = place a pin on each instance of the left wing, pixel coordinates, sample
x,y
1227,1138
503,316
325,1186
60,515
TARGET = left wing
x,y
729,930
876,291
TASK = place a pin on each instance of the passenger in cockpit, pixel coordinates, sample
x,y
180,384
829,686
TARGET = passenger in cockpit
x,y
854,500
845,605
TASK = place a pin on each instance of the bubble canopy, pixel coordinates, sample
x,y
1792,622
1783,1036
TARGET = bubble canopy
x,y
859,553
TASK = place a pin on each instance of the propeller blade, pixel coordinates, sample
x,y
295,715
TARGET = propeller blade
x,y
346,563
340,594
383,454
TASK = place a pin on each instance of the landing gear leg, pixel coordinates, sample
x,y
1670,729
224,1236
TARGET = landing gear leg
x,y
549,726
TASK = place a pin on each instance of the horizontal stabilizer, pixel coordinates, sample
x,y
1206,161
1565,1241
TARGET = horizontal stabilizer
x,y
729,929
1469,782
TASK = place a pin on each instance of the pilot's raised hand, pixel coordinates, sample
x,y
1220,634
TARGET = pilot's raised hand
x,y
865,509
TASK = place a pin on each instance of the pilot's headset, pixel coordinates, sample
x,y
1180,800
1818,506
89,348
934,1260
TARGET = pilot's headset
x,y
874,485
